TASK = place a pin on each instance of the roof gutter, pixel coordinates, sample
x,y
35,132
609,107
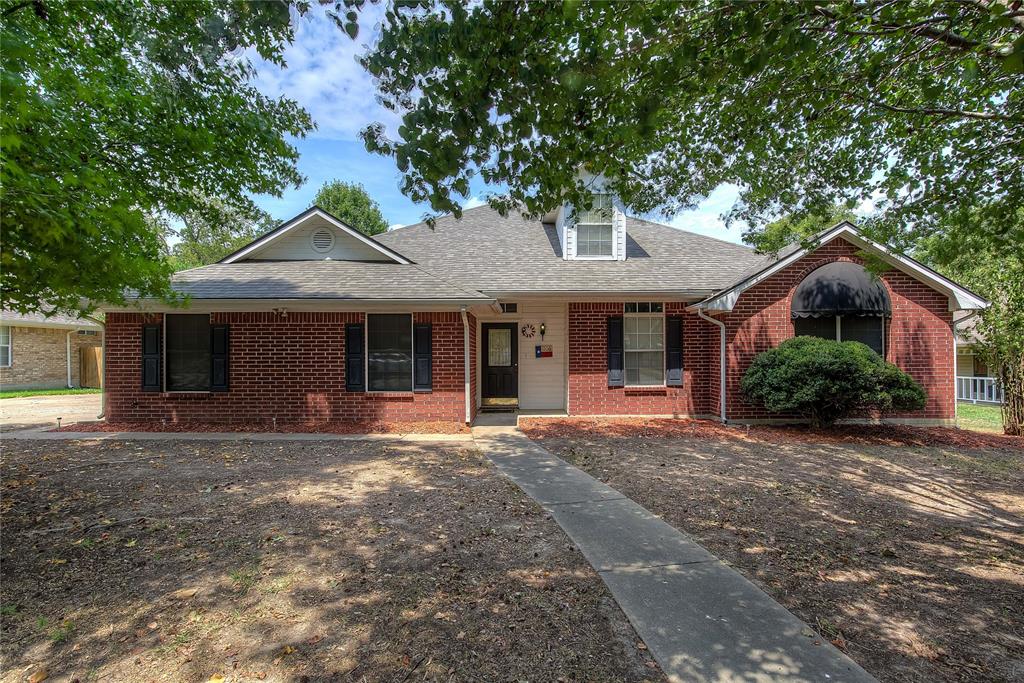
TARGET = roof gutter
x,y
721,360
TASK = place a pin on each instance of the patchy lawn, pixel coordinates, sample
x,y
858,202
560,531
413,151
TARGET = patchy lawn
x,y
24,393
284,561
910,558
981,418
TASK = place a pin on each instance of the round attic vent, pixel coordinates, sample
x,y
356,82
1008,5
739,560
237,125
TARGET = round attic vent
x,y
322,240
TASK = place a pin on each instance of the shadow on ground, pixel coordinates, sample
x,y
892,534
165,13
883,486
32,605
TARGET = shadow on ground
x,y
291,561
909,558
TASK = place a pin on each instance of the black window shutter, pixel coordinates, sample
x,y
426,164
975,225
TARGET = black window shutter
x,y
674,351
616,374
423,363
151,357
355,379
219,357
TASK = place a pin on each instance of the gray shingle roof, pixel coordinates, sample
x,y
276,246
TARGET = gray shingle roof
x,y
57,320
492,254
316,280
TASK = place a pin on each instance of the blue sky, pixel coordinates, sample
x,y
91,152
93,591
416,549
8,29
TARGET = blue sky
x,y
323,76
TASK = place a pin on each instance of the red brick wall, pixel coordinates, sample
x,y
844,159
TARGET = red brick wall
x,y
589,393
919,336
292,369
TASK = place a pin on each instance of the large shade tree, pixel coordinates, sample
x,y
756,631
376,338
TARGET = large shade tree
x,y
115,110
802,105
353,205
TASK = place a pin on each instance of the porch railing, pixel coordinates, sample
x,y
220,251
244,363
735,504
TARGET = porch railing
x,y
978,390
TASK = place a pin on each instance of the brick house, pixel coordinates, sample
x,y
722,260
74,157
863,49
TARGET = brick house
x,y
586,313
46,352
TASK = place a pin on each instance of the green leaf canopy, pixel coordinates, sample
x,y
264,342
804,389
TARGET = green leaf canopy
x,y
119,115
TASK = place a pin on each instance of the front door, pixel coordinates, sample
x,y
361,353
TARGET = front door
x,y
500,361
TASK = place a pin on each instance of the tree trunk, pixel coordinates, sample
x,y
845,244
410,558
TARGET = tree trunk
x,y
1011,378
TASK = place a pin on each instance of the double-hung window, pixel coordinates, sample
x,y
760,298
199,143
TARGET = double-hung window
x,y
185,353
644,344
594,231
188,352
5,346
389,352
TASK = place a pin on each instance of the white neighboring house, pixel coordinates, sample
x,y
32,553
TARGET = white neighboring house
x,y
975,382
40,352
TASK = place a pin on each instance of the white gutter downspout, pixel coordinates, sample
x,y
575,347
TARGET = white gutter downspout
x,y
721,359
465,362
67,354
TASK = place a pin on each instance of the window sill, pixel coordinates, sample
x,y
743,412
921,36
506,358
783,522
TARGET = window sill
x,y
185,394
385,395
653,390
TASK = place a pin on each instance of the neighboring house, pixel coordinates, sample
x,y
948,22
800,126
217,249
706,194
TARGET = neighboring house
x,y
975,382
40,352
590,314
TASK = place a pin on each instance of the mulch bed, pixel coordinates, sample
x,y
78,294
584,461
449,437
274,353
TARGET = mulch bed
x,y
880,435
292,561
341,427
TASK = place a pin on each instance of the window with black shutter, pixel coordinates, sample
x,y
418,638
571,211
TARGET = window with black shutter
x,y
674,351
389,353
151,335
616,375
219,357
354,358
422,357
188,354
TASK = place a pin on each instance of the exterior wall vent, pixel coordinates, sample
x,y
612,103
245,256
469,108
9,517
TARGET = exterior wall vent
x,y
322,240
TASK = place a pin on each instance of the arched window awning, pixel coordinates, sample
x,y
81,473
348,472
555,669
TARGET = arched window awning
x,y
840,288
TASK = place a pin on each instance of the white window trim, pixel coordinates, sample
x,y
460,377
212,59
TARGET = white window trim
x,y
10,347
610,223
412,354
596,257
661,315
163,359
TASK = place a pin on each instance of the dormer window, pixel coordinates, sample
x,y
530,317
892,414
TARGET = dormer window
x,y
595,235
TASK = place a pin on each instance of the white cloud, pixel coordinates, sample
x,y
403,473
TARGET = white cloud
x,y
473,202
706,218
323,76
395,226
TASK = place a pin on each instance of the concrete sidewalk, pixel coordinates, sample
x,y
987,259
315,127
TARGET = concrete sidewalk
x,y
701,619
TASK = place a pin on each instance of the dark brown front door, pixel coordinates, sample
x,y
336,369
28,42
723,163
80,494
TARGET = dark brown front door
x,y
500,360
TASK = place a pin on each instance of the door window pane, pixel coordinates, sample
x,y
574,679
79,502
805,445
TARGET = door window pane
x,y
389,352
188,352
499,347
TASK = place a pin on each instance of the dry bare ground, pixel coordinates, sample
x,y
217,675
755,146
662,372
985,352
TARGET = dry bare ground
x,y
909,557
292,561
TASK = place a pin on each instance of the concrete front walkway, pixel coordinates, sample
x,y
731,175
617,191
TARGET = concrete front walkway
x,y
700,618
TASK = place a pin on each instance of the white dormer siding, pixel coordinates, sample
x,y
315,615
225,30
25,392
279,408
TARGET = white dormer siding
x,y
567,224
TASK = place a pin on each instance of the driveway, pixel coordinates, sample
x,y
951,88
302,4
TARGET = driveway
x,y
43,411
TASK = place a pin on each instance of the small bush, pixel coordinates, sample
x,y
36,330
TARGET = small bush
x,y
826,380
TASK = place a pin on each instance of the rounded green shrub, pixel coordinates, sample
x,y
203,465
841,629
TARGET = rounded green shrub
x,y
825,380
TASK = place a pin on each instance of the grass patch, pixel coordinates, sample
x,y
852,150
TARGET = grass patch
x,y
24,393
980,418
